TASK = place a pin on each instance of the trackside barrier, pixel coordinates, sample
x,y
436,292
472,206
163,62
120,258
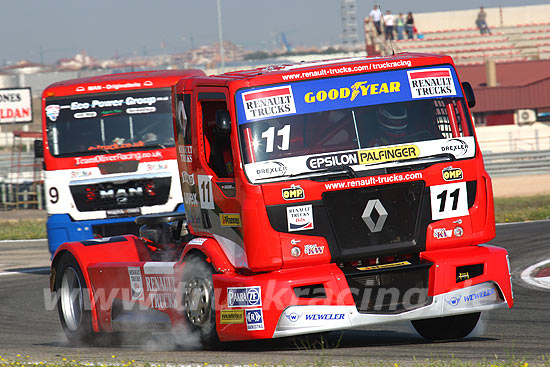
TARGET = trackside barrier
x,y
517,163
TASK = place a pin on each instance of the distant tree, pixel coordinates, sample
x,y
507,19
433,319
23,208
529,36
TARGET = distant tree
x,y
257,55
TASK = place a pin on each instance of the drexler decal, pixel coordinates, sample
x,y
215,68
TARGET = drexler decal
x,y
294,192
452,174
232,316
384,266
230,220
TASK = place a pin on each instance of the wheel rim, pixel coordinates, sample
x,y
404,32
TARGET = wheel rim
x,y
71,299
197,301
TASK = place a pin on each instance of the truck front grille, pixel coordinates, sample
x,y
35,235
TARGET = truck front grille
x,y
121,194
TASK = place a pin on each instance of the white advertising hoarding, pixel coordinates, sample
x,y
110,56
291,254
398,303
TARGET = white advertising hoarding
x,y
15,105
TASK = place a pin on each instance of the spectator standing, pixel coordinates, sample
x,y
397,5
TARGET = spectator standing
x,y
376,15
481,22
409,26
388,24
399,24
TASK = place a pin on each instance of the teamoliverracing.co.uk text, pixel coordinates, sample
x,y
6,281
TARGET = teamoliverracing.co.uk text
x,y
374,180
346,70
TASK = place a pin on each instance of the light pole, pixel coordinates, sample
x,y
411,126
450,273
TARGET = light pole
x,y
220,33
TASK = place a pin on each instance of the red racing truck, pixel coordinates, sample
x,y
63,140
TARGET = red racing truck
x,y
109,153
320,196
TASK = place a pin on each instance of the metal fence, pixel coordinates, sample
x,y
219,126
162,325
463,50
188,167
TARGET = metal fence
x,y
518,163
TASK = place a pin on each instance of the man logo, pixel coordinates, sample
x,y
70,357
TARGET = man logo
x,y
374,204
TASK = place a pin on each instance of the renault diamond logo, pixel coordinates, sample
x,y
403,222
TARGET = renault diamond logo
x,y
374,204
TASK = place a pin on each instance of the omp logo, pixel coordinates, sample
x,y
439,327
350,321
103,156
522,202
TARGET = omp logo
x,y
294,192
451,174
358,88
388,154
121,195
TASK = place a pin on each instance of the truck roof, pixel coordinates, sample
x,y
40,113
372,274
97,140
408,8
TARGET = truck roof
x,y
124,81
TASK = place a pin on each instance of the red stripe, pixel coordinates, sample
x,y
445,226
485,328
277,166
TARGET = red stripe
x,y
430,74
267,93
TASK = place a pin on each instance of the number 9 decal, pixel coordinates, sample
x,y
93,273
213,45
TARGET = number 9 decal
x,y
54,195
449,201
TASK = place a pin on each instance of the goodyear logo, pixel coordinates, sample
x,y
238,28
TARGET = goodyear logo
x,y
231,316
451,174
384,266
294,192
230,220
388,154
358,88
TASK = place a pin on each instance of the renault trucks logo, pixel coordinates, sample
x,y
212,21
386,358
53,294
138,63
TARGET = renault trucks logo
x,y
431,82
372,205
268,102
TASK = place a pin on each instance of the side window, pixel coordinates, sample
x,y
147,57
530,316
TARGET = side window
x,y
217,146
183,121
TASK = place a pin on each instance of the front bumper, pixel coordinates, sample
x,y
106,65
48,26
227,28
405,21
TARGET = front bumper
x,y
268,305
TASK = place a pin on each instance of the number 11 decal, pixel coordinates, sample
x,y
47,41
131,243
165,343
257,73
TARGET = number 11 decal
x,y
448,201
205,191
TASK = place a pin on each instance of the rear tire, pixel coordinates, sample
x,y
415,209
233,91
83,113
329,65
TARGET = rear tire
x,y
447,328
198,299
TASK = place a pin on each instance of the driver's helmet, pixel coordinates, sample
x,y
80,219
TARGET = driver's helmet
x,y
392,119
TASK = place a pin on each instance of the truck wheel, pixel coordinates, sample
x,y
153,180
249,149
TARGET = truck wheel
x,y
447,328
198,299
73,301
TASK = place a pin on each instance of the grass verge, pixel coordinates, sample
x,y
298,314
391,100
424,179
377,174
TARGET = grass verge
x,y
24,229
520,209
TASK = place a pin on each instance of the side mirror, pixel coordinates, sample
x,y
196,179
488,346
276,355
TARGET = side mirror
x,y
223,123
469,94
38,149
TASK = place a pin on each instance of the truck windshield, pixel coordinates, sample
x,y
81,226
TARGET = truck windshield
x,y
338,128
106,123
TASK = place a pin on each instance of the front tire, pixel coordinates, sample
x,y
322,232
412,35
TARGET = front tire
x,y
73,304
447,328
198,299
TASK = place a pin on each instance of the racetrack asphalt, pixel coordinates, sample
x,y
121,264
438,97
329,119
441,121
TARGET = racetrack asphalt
x,y
28,329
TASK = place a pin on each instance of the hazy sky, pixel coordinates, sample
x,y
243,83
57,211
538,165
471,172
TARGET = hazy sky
x,y
38,30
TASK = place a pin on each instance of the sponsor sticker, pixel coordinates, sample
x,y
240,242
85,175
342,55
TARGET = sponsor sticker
x,y
388,154
452,174
293,316
431,82
270,169
314,249
299,218
325,316
136,282
332,160
268,102
440,233
197,241
188,178
254,319
456,147
230,220
186,153
232,316
244,296
190,198
52,111
455,301
384,266
294,192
